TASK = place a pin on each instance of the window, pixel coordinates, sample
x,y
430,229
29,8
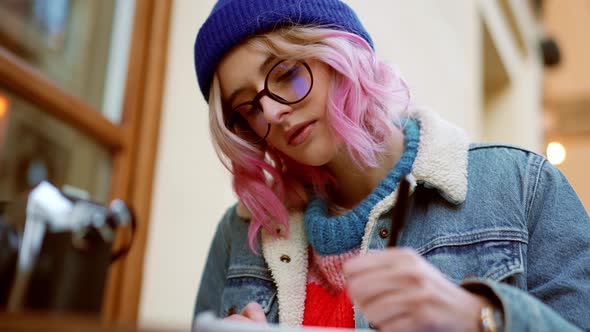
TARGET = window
x,y
80,86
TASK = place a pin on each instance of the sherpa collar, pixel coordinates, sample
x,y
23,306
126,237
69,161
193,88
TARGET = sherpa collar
x,y
441,162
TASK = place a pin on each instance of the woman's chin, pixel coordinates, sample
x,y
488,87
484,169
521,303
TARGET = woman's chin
x,y
316,157
319,151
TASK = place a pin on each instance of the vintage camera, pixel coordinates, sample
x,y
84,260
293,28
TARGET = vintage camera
x,y
56,249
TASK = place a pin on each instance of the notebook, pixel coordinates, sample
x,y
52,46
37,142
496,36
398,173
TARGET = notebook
x,y
208,322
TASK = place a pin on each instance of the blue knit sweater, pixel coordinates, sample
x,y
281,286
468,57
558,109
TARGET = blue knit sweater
x,y
339,234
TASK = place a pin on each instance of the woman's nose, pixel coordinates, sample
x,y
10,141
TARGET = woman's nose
x,y
274,112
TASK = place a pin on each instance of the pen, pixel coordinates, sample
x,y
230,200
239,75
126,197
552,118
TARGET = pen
x,y
399,214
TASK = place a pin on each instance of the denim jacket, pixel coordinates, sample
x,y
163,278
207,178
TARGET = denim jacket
x,y
496,219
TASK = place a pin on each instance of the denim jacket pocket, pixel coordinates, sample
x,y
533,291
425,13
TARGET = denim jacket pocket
x,y
245,284
493,254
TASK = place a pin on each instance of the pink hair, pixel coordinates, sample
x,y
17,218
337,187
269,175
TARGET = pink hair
x,y
366,97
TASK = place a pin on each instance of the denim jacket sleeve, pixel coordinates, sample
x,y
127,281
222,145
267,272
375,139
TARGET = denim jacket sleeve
x,y
558,264
215,271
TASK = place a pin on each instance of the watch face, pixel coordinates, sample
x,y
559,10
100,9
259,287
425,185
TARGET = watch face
x,y
490,319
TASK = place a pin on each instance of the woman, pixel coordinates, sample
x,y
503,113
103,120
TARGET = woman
x,y
318,132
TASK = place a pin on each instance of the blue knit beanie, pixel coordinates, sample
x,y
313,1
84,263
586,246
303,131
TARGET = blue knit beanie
x,y
233,21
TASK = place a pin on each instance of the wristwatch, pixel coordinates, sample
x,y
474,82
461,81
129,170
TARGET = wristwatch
x,y
491,320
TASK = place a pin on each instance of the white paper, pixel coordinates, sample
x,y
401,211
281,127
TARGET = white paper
x,y
208,322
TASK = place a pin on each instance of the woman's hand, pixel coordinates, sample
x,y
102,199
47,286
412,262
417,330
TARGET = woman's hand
x,y
398,290
252,313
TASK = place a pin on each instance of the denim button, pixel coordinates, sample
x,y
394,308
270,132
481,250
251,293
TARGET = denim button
x,y
383,233
285,259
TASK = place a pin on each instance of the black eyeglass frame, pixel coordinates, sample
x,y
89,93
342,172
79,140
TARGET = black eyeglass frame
x,y
255,102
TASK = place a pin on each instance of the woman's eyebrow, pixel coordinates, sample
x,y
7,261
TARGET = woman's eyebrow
x,y
263,67
262,70
234,95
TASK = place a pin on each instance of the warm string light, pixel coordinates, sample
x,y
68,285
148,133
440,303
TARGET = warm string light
x,y
556,153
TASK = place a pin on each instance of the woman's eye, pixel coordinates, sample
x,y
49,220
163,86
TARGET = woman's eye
x,y
289,74
248,111
252,112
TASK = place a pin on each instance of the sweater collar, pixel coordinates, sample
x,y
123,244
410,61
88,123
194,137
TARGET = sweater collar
x,y
335,235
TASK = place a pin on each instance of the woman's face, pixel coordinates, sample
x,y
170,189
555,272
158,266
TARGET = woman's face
x,y
298,130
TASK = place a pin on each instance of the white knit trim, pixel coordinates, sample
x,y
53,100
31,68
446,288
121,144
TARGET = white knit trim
x,y
383,206
289,277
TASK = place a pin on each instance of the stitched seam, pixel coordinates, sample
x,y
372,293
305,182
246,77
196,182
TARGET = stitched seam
x,y
266,308
248,272
501,235
534,191
484,146
510,268
505,271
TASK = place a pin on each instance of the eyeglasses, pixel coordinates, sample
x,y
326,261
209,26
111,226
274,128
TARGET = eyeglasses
x,y
288,82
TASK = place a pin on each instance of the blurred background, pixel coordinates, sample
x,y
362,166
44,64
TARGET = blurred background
x,y
100,96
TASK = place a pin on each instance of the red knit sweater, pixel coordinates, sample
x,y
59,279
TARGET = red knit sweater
x,y
326,302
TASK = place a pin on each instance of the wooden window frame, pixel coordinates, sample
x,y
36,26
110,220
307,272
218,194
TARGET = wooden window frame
x,y
132,143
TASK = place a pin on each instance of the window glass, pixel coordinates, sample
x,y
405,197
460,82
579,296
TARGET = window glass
x,y
81,45
35,146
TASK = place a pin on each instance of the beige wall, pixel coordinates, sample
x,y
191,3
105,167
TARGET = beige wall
x,y
512,102
191,189
569,22
567,89
436,46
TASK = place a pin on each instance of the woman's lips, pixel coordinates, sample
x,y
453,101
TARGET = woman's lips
x,y
299,133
